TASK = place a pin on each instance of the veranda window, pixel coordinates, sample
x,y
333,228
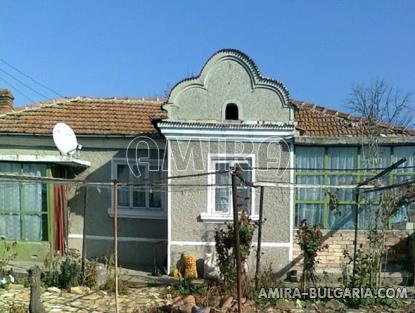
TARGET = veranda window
x,y
315,204
23,205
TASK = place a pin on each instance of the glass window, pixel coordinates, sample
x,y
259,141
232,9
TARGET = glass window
x,y
222,193
23,205
315,204
143,197
310,201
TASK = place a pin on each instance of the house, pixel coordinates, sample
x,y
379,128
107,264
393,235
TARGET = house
x,y
175,154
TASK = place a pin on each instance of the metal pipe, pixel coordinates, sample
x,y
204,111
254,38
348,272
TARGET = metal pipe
x,y
237,240
84,233
258,252
356,229
115,204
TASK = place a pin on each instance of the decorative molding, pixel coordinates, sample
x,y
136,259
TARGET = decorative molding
x,y
257,80
239,132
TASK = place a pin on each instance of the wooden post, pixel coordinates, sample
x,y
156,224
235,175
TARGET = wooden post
x,y
115,205
35,305
237,240
258,252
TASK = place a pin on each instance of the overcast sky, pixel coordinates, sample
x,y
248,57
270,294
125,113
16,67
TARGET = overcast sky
x,y
318,49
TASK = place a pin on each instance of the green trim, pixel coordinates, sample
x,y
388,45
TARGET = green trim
x,y
359,173
326,180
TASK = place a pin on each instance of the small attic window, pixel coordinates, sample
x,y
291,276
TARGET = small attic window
x,y
232,112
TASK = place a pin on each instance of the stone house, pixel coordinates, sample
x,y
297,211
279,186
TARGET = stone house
x,y
228,115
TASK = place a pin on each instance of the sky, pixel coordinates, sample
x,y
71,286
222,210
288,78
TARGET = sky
x,y
318,49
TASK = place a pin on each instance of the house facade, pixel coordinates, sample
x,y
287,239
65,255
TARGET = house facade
x,y
174,156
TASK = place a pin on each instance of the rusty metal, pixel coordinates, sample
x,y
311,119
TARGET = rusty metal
x,y
115,205
237,240
258,252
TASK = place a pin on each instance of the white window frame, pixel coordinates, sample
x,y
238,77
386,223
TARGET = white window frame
x,y
138,212
211,215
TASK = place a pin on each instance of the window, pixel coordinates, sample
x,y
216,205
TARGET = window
x,y
23,205
137,201
232,112
314,204
220,195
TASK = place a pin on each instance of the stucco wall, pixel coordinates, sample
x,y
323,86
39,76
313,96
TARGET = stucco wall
x,y
187,206
140,239
229,77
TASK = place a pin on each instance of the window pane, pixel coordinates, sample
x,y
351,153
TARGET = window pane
x,y
342,157
341,217
405,152
222,193
10,226
32,227
342,194
314,194
375,158
9,191
309,157
313,213
155,195
244,199
123,192
139,193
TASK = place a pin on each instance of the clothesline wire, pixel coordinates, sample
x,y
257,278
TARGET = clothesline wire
x,y
328,169
61,181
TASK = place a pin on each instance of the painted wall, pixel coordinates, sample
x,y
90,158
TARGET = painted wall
x,y
189,233
229,77
140,239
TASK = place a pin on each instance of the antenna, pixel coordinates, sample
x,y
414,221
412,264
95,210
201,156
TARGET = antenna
x,y
65,139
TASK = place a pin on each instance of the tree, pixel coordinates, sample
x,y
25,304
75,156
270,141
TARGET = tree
x,y
382,108
379,103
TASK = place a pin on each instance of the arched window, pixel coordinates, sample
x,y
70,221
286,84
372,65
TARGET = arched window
x,y
231,112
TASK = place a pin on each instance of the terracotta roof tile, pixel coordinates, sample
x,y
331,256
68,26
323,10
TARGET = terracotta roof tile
x,y
129,117
316,121
87,116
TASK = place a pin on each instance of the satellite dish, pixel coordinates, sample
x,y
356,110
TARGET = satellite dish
x,y
65,139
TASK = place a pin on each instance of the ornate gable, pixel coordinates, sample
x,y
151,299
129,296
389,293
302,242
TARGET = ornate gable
x,y
227,79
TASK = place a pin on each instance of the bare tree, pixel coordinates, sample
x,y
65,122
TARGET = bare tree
x,y
382,108
379,102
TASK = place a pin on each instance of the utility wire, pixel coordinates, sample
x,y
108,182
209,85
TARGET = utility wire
x,y
24,84
17,89
31,78
329,169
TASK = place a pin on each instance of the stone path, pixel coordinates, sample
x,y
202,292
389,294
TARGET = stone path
x,y
83,300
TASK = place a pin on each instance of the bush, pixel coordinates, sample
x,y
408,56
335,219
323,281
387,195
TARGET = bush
x,y
187,287
66,272
224,243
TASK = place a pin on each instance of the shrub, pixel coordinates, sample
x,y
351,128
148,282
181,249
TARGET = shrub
x,y
66,272
310,240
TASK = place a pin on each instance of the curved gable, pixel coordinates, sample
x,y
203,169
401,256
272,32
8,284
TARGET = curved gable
x,y
229,76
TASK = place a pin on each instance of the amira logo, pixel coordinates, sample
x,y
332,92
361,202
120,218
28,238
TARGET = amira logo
x,y
272,155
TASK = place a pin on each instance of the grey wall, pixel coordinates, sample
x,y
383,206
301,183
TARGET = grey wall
x,y
99,224
186,207
229,77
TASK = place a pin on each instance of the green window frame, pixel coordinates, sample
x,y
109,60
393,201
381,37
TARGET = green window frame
x,y
23,208
326,176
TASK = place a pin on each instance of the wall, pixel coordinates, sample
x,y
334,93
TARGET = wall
x,y
140,239
189,233
229,76
332,259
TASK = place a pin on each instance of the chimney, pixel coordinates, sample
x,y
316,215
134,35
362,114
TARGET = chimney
x,y
6,101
